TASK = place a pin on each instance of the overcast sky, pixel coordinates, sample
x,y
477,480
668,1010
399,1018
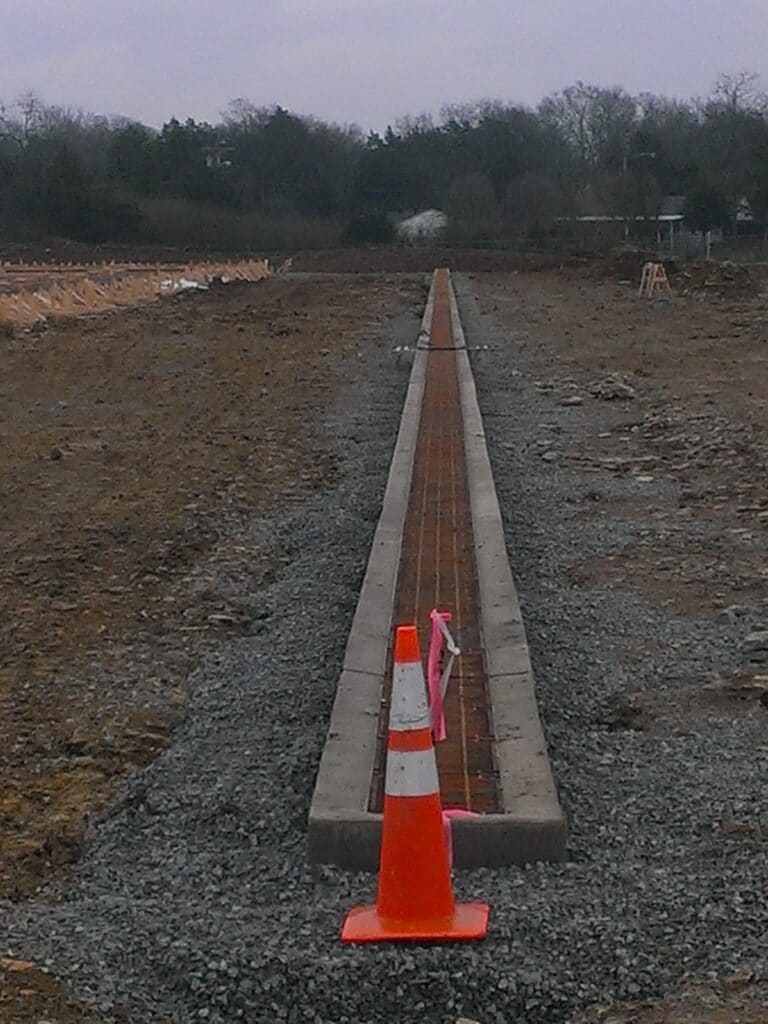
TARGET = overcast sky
x,y
364,61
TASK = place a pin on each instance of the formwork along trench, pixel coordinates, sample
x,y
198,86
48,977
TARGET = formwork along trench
x,y
438,570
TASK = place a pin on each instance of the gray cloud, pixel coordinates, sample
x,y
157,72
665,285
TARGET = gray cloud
x,y
364,61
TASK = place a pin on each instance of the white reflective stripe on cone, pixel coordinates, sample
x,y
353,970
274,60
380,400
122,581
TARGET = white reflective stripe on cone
x,y
411,773
409,708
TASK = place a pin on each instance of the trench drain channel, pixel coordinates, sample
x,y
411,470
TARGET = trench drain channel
x,y
438,570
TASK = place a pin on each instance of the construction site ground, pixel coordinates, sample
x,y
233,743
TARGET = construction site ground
x,y
191,487
680,388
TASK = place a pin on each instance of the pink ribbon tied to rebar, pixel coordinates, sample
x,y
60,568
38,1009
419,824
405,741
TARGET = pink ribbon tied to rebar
x,y
439,669
438,674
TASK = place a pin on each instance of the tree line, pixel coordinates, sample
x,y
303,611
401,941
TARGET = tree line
x,y
266,176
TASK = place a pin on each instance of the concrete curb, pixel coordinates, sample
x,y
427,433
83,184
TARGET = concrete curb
x,y
342,831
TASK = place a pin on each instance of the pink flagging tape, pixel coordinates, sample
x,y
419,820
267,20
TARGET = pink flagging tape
x,y
439,669
434,673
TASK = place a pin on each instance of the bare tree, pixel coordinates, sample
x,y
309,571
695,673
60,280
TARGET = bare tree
x,y
742,91
415,124
245,115
733,127
594,122
24,119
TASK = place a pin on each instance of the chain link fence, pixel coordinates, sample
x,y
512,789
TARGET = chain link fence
x,y
686,247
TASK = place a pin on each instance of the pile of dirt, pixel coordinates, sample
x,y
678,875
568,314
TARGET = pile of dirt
x,y
721,279
625,263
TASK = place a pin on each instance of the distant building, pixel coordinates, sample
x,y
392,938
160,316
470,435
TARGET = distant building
x,y
666,230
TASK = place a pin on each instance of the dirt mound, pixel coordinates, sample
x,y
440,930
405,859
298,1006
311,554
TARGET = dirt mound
x,y
625,263
722,279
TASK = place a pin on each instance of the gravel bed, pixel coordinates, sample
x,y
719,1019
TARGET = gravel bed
x,y
196,903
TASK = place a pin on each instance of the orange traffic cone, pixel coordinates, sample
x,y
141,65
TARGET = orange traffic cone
x,y
415,895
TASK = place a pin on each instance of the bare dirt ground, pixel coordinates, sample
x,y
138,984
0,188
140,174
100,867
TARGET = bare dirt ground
x,y
30,996
372,259
129,442
701,362
738,1000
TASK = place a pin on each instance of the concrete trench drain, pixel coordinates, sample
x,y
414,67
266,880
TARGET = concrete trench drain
x,y
440,543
